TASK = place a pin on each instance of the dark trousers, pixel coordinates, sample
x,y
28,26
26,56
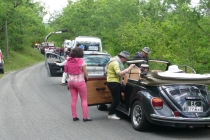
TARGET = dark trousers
x,y
115,89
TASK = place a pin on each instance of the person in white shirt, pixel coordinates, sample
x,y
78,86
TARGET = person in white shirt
x,y
64,76
63,80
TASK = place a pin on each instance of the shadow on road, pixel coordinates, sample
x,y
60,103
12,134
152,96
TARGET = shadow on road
x,y
173,133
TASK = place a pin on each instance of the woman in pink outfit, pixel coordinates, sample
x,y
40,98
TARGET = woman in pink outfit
x,y
76,68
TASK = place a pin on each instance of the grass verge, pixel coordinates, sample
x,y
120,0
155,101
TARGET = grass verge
x,y
19,60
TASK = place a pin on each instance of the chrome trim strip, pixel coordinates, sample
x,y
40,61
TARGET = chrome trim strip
x,y
202,120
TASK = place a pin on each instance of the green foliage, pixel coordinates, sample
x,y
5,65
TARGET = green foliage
x,y
24,24
174,30
25,28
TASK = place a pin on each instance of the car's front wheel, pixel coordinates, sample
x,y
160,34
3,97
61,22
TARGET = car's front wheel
x,y
138,118
2,71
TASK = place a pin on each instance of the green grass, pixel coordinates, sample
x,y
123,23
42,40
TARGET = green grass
x,y
19,60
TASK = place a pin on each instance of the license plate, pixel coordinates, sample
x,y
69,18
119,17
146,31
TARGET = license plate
x,y
93,48
194,106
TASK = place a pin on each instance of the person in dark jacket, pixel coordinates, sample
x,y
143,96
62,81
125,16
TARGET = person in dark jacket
x,y
67,52
142,55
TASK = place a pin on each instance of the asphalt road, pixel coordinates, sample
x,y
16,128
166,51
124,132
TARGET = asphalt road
x,y
36,107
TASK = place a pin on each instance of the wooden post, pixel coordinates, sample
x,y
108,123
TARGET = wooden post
x,y
6,38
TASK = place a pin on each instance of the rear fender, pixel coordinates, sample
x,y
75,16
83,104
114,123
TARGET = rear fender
x,y
145,99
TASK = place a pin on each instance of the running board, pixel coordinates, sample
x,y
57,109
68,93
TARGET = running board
x,y
122,109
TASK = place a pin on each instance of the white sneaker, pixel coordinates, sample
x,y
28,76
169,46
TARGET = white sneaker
x,y
114,117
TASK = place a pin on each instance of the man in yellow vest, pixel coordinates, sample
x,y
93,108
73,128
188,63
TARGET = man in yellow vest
x,y
115,73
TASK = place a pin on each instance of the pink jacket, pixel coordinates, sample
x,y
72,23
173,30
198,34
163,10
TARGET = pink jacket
x,y
73,66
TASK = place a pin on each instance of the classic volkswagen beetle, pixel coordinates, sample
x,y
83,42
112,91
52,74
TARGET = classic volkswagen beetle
x,y
169,99
163,98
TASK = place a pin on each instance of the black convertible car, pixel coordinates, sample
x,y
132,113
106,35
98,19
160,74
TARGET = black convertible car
x,y
157,97
170,99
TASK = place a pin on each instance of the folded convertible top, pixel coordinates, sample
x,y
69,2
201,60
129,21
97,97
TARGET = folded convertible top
x,y
166,78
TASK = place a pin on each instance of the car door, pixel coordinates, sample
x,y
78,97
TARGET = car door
x,y
97,91
54,70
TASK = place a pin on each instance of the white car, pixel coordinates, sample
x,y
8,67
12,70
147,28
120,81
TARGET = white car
x,y
96,62
67,44
98,92
89,43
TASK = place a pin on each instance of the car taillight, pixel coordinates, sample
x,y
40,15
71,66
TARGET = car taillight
x,y
176,113
157,103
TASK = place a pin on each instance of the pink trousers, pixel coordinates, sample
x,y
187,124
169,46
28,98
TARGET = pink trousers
x,y
80,88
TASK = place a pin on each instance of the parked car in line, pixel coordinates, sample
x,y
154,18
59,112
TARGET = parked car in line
x,y
96,62
89,43
98,92
164,98
1,62
36,46
156,97
67,43
46,45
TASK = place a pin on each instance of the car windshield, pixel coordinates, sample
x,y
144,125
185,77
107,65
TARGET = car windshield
x,y
67,43
96,59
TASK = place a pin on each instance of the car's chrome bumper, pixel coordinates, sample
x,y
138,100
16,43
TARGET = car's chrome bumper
x,y
181,120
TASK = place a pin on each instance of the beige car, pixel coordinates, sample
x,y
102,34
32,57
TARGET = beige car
x,y
98,92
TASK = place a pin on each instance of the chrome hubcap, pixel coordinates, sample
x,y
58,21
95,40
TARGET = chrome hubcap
x,y
137,115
